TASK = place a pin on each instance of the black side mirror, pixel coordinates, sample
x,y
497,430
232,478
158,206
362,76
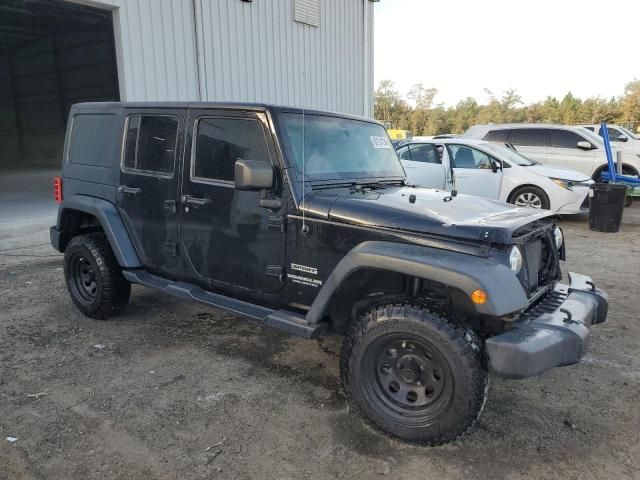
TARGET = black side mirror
x,y
495,165
253,175
622,138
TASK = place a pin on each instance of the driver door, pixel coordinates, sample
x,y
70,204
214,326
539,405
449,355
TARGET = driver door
x,y
474,171
228,238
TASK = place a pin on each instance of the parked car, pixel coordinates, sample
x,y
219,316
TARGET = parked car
x,y
620,137
565,146
486,169
304,221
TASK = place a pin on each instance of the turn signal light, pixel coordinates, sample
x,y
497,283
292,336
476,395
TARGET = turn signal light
x,y
479,296
57,189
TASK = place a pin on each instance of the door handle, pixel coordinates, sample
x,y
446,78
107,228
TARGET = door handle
x,y
194,200
131,190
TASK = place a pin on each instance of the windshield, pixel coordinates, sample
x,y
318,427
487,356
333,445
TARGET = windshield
x,y
629,133
505,153
339,148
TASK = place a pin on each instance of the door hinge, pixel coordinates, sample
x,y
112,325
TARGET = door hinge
x,y
275,271
171,248
170,206
276,222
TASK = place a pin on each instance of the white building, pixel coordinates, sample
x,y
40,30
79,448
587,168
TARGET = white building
x,y
53,53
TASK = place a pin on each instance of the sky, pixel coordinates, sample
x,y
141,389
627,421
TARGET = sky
x,y
538,47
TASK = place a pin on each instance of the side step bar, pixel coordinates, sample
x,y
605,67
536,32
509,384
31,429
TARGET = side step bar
x,y
288,321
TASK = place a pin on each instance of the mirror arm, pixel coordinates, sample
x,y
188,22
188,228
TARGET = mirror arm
x,y
270,203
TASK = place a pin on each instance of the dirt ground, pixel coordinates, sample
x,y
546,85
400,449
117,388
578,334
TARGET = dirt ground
x,y
173,389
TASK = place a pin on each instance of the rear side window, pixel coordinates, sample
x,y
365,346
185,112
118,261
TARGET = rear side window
x,y
528,137
150,144
426,153
564,139
220,142
499,136
91,139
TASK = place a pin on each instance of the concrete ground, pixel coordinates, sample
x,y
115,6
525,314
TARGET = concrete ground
x,y
172,389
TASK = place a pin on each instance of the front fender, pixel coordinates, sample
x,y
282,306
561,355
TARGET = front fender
x,y
463,271
107,214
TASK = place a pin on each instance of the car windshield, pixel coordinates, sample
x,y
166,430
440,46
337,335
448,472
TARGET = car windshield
x,y
508,154
339,148
629,133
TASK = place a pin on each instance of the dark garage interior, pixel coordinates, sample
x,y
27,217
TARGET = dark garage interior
x,y
53,53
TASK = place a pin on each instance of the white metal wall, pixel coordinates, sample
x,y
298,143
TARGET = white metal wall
x,y
230,50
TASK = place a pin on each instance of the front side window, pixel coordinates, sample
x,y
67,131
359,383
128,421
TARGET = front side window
x,y
564,139
467,157
614,134
219,142
150,145
337,148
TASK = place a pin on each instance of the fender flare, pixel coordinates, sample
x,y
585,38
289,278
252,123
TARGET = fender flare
x,y
107,214
463,271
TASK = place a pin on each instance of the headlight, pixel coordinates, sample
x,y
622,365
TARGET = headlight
x,y
558,237
566,184
515,260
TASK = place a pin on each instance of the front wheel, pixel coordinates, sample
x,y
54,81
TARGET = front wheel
x,y
414,374
530,196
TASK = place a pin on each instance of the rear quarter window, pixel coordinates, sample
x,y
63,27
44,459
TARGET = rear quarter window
x,y
91,138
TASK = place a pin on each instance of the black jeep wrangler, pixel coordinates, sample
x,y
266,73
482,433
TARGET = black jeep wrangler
x,y
304,221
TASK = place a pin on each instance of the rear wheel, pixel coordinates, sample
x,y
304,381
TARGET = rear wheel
x,y
530,196
414,374
94,278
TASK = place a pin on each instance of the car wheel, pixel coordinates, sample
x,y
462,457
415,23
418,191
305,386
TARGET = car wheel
x,y
532,197
414,374
94,278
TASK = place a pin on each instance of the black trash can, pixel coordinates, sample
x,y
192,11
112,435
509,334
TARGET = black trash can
x,y
606,204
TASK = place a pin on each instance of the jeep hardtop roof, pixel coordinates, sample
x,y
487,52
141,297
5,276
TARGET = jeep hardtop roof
x,y
258,107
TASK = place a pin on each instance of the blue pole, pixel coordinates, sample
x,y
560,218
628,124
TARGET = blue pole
x,y
607,148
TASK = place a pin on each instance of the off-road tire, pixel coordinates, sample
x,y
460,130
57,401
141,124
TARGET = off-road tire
x,y
94,278
531,190
464,373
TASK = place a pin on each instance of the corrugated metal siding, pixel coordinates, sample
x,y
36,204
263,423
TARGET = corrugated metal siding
x,y
257,52
249,51
157,39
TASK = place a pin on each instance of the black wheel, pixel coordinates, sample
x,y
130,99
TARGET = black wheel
x,y
94,278
414,374
530,196
627,171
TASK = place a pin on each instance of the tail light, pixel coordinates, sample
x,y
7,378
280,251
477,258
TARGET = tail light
x,y
57,189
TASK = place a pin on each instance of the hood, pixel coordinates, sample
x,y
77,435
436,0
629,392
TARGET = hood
x,y
558,172
464,216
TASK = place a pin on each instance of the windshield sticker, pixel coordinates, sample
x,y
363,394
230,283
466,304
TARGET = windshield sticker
x,y
380,142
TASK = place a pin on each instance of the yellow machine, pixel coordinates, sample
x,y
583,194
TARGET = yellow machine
x,y
399,134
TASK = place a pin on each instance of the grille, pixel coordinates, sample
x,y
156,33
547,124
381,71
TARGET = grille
x,y
540,258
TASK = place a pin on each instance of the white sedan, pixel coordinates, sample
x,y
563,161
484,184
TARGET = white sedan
x,y
486,169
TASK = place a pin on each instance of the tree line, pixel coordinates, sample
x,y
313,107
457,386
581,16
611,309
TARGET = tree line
x,y
419,113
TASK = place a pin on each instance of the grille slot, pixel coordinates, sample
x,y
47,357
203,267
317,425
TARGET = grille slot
x,y
533,260
548,304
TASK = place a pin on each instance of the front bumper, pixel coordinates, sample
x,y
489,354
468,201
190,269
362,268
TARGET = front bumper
x,y
553,333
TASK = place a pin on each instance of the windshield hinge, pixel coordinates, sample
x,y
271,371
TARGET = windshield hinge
x,y
276,222
275,271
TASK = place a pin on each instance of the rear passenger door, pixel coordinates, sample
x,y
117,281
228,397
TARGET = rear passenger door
x,y
148,184
423,164
530,142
